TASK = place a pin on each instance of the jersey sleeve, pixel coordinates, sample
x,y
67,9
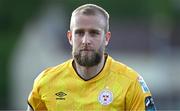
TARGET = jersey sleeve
x,y
139,97
34,99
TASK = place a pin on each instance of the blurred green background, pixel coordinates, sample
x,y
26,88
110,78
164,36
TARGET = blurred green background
x,y
156,23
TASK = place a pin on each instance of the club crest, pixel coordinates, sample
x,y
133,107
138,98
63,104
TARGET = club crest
x,y
105,97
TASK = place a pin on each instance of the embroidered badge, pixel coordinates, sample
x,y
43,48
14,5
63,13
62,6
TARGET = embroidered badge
x,y
105,97
60,95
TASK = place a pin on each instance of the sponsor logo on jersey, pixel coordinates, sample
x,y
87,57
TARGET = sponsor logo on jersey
x,y
143,84
149,104
61,96
105,97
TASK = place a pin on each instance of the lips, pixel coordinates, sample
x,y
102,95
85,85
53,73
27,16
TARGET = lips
x,y
86,49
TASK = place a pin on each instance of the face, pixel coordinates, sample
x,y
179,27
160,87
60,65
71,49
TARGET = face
x,y
88,39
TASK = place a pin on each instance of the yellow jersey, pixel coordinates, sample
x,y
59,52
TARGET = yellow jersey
x,y
116,87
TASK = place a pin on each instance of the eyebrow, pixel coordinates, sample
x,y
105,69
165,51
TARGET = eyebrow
x,y
95,30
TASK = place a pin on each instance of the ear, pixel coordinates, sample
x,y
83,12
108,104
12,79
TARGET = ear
x,y
108,36
69,36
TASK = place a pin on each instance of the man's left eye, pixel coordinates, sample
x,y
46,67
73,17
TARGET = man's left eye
x,y
94,33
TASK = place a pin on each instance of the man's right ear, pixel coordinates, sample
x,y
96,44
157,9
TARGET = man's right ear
x,y
69,36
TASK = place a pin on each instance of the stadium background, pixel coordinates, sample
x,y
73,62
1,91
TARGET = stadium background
x,y
145,36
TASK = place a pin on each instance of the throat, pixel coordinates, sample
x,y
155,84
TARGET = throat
x,y
87,73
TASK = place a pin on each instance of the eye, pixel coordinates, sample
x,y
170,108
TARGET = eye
x,y
94,33
79,32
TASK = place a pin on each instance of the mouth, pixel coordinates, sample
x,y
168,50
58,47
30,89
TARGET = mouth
x,y
86,50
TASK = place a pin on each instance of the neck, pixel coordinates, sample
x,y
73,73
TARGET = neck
x,y
89,72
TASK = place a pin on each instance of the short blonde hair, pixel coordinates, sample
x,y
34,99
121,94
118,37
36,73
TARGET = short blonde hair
x,y
91,9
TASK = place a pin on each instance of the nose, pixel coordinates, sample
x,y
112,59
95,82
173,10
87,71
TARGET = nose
x,y
86,39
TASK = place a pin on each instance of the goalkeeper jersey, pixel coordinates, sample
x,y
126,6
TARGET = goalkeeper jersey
x,y
116,87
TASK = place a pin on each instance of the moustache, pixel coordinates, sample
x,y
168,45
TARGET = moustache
x,y
86,49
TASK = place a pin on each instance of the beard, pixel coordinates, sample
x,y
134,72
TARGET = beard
x,y
90,58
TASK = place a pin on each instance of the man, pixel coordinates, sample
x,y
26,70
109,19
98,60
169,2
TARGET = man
x,y
92,80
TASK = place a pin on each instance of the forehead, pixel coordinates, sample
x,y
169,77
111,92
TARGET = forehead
x,y
88,22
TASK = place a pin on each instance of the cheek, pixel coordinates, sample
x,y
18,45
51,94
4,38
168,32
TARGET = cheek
x,y
75,44
100,42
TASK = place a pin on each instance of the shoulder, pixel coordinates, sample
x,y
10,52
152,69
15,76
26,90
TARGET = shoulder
x,y
51,72
129,76
123,70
